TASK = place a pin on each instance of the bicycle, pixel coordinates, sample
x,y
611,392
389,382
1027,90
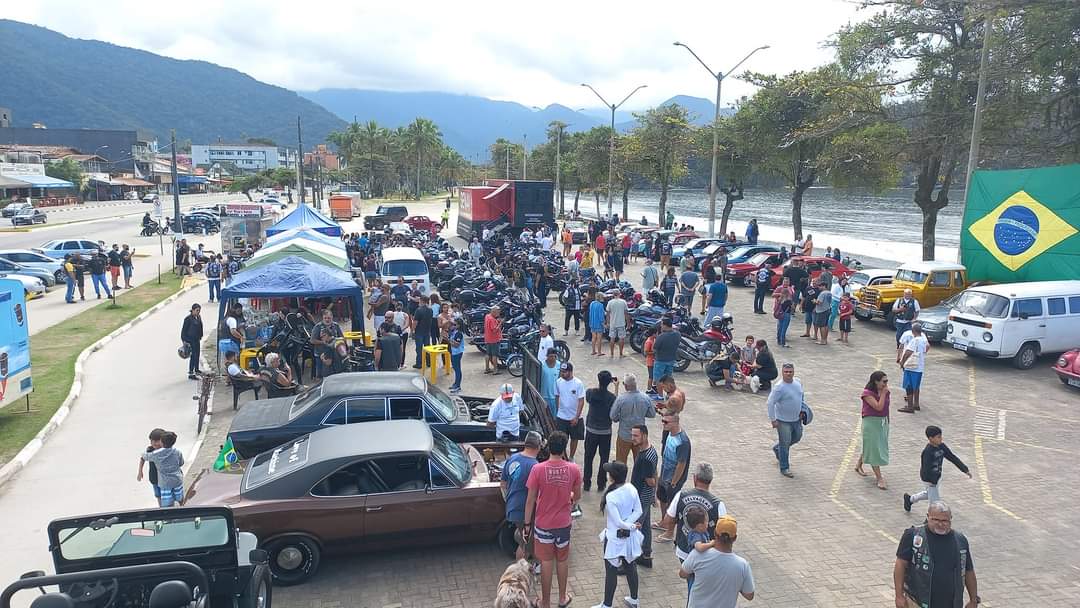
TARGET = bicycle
x,y
206,388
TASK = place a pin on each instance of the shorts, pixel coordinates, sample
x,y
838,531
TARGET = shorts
x,y
617,333
663,368
492,349
157,492
576,431
912,380
552,544
171,496
810,317
821,319
845,324
128,270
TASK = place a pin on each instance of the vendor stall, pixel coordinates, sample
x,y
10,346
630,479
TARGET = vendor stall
x,y
313,251
306,217
244,225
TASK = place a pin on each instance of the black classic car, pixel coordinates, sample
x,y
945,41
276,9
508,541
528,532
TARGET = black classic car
x,y
161,558
264,424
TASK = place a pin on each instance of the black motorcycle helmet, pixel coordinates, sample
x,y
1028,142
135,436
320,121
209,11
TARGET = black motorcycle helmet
x,y
716,324
657,297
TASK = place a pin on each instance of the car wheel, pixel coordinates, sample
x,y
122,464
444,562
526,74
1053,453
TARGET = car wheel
x,y
293,559
862,317
505,539
748,281
60,276
1063,379
260,591
1026,356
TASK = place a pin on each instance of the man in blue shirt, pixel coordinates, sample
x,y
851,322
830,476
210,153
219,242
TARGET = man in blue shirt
x,y
549,370
716,295
596,322
785,407
457,349
514,475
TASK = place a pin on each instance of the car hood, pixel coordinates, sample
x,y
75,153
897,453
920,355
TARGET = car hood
x,y
261,414
741,266
937,315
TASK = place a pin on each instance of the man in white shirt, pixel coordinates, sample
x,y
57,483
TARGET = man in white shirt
x,y
486,234
505,414
526,235
546,242
546,342
569,405
911,356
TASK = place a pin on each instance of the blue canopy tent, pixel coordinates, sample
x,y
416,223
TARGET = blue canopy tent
x,y
295,277
305,217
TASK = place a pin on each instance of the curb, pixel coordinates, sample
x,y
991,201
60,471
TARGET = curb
x,y
9,470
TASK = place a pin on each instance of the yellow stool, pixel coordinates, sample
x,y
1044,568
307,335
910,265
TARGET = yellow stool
x,y
247,356
366,338
431,352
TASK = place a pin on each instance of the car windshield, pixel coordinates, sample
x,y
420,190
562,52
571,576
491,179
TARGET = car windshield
x,y
404,268
25,211
758,259
452,457
110,537
981,303
305,399
911,276
52,244
859,278
443,403
575,226
26,257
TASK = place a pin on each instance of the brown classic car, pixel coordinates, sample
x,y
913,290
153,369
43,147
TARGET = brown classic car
x,y
360,487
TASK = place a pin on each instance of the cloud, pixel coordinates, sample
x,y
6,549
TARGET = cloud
x,y
535,54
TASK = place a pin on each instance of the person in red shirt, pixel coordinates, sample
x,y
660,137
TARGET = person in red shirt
x,y
554,487
846,310
492,337
601,247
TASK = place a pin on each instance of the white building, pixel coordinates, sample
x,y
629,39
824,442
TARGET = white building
x,y
248,158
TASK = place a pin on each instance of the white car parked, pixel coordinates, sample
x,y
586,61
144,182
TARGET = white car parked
x,y
33,285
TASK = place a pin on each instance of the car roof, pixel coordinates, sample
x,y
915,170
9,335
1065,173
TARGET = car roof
x,y
930,266
369,438
401,253
374,383
1032,289
877,272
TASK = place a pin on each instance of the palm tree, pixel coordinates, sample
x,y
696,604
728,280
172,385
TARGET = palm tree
x,y
422,136
451,164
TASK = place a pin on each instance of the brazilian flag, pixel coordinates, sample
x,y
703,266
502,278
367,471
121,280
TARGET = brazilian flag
x,y
1022,225
227,458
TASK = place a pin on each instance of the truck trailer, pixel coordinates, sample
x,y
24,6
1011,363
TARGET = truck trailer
x,y
505,205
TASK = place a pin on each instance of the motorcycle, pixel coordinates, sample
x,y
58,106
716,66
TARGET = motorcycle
x,y
702,349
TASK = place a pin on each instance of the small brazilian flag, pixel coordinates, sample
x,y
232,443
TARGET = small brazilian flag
x,y
227,458
1022,225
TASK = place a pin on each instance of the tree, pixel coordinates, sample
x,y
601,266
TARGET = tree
x,y
247,183
507,166
261,141
629,152
67,170
591,152
423,139
664,134
733,162
793,120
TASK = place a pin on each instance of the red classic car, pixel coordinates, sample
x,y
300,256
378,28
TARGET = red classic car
x,y
1067,367
423,222
742,273
814,266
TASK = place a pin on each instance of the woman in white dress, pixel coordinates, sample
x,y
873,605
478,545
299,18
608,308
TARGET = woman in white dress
x,y
621,536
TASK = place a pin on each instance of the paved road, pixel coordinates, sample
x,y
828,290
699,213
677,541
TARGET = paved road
x,y
133,384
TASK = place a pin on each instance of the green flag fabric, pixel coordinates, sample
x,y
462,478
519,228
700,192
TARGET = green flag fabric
x,y
227,458
1022,225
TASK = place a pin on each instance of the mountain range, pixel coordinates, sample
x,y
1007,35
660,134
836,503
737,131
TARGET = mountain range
x,y
67,82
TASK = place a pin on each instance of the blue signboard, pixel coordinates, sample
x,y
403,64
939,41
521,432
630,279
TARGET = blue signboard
x,y
15,380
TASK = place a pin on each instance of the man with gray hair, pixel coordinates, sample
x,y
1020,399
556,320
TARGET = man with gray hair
x,y
630,409
933,564
785,406
911,357
684,500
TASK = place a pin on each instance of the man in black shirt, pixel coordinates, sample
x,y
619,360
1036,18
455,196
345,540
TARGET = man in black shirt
x,y
387,349
809,297
421,328
933,564
643,478
400,292
665,349
764,368
797,274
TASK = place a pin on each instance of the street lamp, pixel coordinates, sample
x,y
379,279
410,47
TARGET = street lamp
x,y
719,76
611,146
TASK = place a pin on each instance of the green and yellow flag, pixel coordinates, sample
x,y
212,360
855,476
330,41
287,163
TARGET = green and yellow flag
x,y
1022,225
227,458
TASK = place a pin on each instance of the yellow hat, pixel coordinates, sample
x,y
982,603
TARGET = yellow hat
x,y
726,525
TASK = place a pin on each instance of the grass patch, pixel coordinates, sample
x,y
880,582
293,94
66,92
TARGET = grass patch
x,y
53,353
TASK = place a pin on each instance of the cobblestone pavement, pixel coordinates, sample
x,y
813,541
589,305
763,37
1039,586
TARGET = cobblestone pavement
x,y
826,537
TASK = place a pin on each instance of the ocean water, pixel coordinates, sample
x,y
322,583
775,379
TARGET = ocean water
x,y
885,226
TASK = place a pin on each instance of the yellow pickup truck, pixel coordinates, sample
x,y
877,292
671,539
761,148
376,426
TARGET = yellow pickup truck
x,y
929,282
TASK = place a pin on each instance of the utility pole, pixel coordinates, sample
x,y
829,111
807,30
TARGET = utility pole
x,y
719,76
507,160
558,168
179,227
976,126
611,143
299,161
525,157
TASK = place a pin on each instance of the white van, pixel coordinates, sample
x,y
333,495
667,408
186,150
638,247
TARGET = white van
x,y
1017,320
405,262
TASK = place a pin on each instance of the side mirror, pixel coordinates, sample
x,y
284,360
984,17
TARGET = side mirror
x,y
259,556
428,489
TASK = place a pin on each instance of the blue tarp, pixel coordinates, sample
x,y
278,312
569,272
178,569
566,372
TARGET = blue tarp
x,y
192,179
305,217
304,233
295,277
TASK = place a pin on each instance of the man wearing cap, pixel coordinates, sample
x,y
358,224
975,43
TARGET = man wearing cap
x,y
515,473
785,405
719,576
569,405
549,376
505,414
911,356
933,564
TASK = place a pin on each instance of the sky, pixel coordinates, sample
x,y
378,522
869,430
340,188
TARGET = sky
x,y
532,53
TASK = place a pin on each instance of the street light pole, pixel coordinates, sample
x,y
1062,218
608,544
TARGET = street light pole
x,y
611,143
525,157
558,167
719,76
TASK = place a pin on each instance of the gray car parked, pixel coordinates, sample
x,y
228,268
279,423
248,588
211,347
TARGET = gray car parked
x,y
37,261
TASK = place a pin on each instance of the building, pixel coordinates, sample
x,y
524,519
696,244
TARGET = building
x,y
247,158
24,178
124,151
323,157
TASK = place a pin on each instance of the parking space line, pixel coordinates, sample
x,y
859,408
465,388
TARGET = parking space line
x,y
1034,445
984,481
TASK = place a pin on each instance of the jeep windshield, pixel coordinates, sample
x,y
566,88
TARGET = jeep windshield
x,y
113,537
911,276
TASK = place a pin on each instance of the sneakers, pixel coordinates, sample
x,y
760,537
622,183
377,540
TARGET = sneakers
x,y
575,512
455,390
644,562
630,602
907,502
787,473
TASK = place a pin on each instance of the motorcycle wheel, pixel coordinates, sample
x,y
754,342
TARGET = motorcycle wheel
x,y
637,340
681,363
562,351
515,364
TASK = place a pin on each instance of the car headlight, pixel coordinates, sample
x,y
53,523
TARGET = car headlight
x,y
949,329
1062,362
987,336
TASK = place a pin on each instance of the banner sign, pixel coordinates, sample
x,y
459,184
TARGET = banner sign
x,y
1022,225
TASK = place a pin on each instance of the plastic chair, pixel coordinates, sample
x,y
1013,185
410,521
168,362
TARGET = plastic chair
x,y
249,358
430,358
367,339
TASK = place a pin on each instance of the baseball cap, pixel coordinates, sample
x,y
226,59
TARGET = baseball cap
x,y
727,525
567,366
533,439
507,390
